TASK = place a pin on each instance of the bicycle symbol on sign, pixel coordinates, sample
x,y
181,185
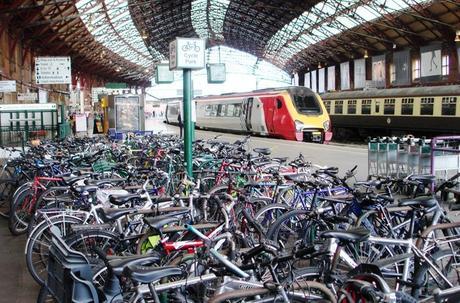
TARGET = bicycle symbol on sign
x,y
191,46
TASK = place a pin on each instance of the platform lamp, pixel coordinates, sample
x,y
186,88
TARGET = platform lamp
x,y
366,54
457,36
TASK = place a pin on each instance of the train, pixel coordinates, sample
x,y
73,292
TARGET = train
x,y
291,113
426,111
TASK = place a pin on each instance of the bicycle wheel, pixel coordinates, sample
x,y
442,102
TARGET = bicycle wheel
x,y
85,241
267,215
426,277
39,241
21,212
7,188
296,226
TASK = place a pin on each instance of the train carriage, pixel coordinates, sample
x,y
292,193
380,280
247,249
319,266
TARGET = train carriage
x,y
423,110
292,113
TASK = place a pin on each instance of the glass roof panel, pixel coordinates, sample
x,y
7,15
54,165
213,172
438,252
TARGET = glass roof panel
x,y
216,15
109,21
326,19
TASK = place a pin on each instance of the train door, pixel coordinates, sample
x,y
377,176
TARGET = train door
x,y
247,114
270,105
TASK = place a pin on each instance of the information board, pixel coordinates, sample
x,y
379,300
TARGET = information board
x,y
163,74
27,96
52,70
7,86
216,73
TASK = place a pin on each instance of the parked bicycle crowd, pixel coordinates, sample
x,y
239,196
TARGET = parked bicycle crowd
x,y
120,221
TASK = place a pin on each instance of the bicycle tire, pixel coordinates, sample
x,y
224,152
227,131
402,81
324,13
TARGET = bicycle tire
x,y
20,215
83,242
308,231
328,296
40,234
421,280
44,296
266,216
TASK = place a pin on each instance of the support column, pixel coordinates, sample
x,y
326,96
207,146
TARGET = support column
x,y
188,125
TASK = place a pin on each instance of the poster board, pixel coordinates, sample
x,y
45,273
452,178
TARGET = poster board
x,y
401,62
321,80
378,71
307,81
345,75
360,73
430,61
80,123
331,78
314,87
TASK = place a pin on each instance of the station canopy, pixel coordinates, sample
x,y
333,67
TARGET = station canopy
x,y
130,37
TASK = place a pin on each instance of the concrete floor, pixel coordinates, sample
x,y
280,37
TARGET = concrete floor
x,y
16,285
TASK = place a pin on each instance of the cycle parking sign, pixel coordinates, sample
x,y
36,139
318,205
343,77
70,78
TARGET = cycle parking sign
x,y
187,53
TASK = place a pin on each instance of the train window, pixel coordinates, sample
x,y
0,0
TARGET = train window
x,y
213,111
449,105
389,107
207,110
230,109
377,106
279,104
338,107
327,104
237,110
426,106
306,104
366,107
351,107
407,106
222,110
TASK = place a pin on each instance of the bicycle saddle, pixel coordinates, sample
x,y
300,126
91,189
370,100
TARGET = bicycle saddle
x,y
71,180
85,188
119,263
121,200
105,181
263,151
146,275
423,201
425,179
353,235
280,159
111,214
158,222
297,178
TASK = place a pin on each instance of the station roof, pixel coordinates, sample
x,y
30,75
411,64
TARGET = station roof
x,y
124,39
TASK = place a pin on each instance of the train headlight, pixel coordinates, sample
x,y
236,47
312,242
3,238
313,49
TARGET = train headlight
x,y
298,125
326,125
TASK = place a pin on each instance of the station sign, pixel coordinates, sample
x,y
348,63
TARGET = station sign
x,y
27,97
7,86
187,53
30,106
52,70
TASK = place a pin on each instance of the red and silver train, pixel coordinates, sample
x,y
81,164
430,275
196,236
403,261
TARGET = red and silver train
x,y
291,113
